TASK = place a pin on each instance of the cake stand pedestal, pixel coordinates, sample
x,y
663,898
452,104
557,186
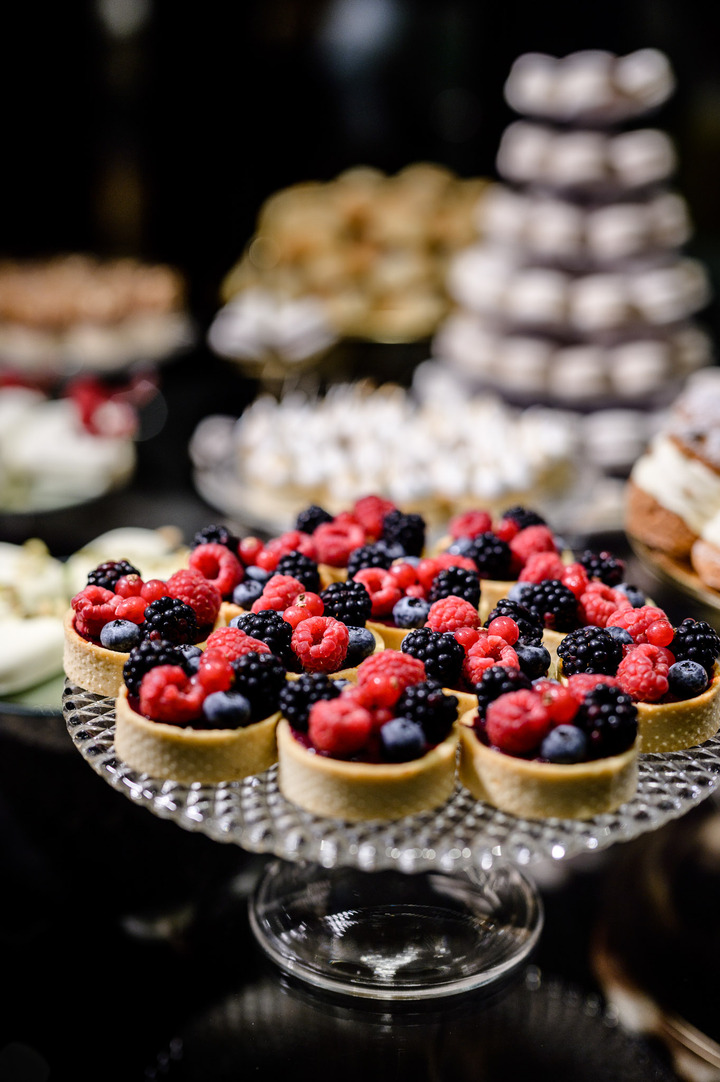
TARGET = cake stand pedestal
x,y
433,905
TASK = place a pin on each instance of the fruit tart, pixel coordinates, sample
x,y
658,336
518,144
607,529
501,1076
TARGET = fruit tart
x,y
381,748
671,673
117,609
200,715
542,749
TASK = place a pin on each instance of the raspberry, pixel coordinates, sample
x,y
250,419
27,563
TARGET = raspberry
x,y
458,582
470,524
291,541
297,696
498,680
382,588
489,650
216,534
451,613
589,649
370,512
94,607
639,621
320,643
517,722
334,541
218,565
406,530
108,573
278,593
347,601
301,567
599,602
310,518
198,592
542,565
530,540
441,653
339,727
403,667
506,628
559,700
131,608
643,673
231,642
580,683
575,577
129,586
604,566
168,694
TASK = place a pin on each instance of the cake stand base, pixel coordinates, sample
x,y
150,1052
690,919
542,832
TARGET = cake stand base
x,y
395,936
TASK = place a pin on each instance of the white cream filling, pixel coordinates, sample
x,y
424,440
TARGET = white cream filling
x,y
682,484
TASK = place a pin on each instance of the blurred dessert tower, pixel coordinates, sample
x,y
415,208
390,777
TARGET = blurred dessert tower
x,y
577,292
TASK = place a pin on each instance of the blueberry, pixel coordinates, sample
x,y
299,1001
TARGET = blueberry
x,y
259,574
226,710
686,679
634,595
621,635
411,612
361,643
192,655
395,550
246,592
461,546
534,660
519,590
120,635
401,740
564,744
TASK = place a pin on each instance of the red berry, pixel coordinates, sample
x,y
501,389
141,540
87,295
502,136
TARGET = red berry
x,y
249,549
643,673
382,587
637,621
540,566
168,694
335,541
132,609
559,700
370,512
279,592
94,607
580,683
451,613
304,606
415,590
320,643
575,577
129,586
506,628
660,633
467,636
339,726
506,529
215,673
599,602
232,642
532,539
404,575
218,565
406,668
154,589
198,592
291,541
517,722
470,524
487,651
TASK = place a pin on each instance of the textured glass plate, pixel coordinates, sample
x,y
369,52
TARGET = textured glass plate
x,y
463,834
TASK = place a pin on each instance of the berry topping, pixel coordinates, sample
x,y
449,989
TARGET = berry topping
x,y
643,672
347,601
171,619
361,644
370,512
334,541
377,554
646,624
589,649
552,603
530,627
297,696
531,541
604,566
406,530
451,613
216,534
489,650
440,652
339,727
310,518
599,603
470,524
382,589
411,612
523,517
456,582
491,556
108,573
430,707
517,722
542,565
218,565
94,607
279,592
269,627
533,659
320,643
498,680
147,655
260,678
565,744
301,567
696,640
560,702
401,740
232,642
277,547
246,592
392,667
121,635
168,694
608,717
226,710
198,592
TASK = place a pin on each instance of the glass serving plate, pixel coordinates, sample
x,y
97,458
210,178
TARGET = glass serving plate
x,y
339,907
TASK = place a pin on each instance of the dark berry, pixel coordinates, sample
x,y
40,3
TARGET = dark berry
x,y
246,592
401,740
530,627
410,612
145,656
405,529
216,534
301,567
590,649
635,596
171,619
427,704
461,546
534,658
498,680
564,744
347,601
310,518
686,679
269,627
456,582
553,603
608,717
108,573
621,635
696,640
376,554
604,566
259,677
491,555
120,635
258,574
297,696
226,710
440,651
192,655
523,517
361,643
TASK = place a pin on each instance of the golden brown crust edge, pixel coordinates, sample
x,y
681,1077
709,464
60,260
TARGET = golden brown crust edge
x,y
654,525
89,666
677,726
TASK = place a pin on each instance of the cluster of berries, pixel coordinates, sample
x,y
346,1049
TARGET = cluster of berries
x,y
587,718
118,608
640,651
394,713
234,681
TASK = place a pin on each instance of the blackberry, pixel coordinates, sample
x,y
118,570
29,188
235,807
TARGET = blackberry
x,y
301,567
297,696
456,582
523,517
171,619
499,680
427,704
552,602
260,678
439,650
696,640
604,566
347,601
376,554
405,529
269,627
146,655
311,517
608,717
492,556
216,534
590,649
108,573
530,627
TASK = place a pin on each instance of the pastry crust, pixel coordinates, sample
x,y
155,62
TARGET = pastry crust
x,y
208,756
359,791
88,665
654,525
534,790
680,725
491,592
392,636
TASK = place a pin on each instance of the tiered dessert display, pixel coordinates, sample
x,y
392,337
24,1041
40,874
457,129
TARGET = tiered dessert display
x,y
578,291
342,697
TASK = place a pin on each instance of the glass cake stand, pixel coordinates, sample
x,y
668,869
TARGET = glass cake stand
x,y
339,907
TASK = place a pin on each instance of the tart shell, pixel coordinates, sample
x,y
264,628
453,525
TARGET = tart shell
x,y
534,790
358,791
208,756
680,725
88,665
